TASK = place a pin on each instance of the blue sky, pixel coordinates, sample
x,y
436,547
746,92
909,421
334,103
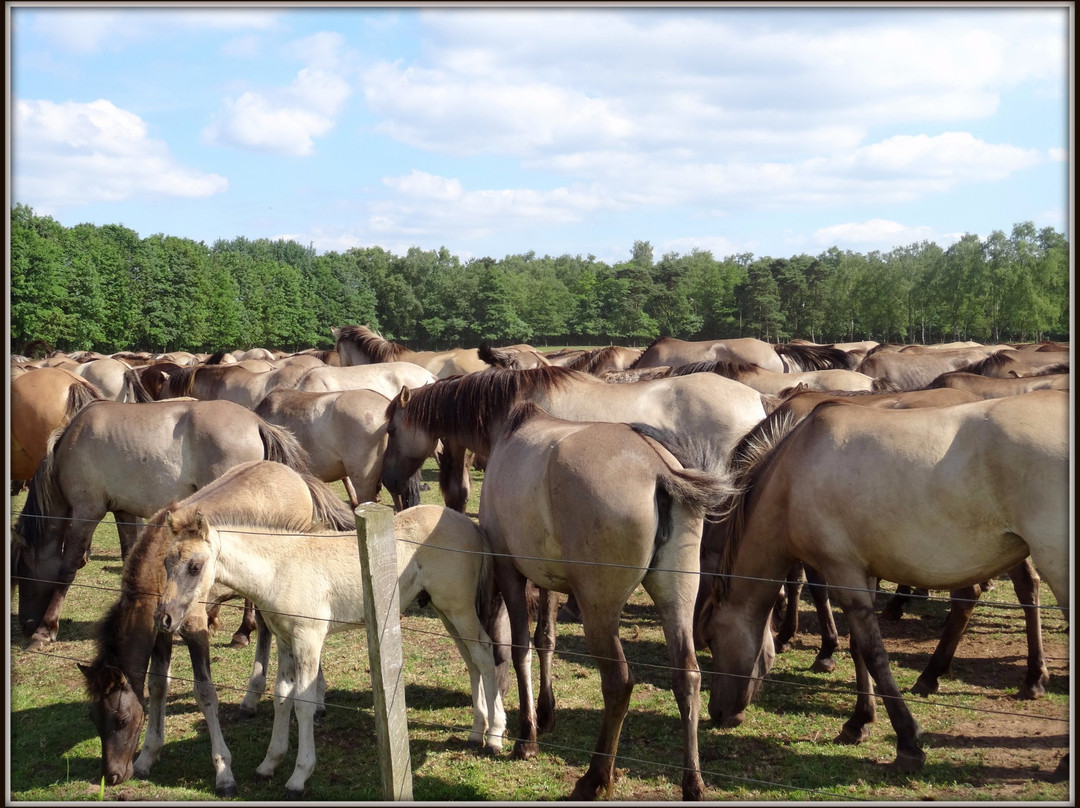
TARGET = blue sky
x,y
498,130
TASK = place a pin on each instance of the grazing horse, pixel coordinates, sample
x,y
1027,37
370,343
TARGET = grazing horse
x,y
309,586
131,649
467,411
42,400
344,433
359,345
1025,579
934,497
130,459
561,498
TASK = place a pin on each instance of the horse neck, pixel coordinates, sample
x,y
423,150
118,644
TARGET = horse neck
x,y
133,635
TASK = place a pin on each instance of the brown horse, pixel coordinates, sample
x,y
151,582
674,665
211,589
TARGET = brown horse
x,y
1015,364
130,459
42,400
131,649
940,498
773,384
595,509
231,382
995,387
359,345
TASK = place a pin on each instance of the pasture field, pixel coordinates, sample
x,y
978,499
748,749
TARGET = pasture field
x,y
982,744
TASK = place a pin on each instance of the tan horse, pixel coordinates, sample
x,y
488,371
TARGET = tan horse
x,y
232,382
940,498
130,459
913,370
464,413
1014,364
595,509
385,377
773,384
309,586
994,387
344,433
359,345
42,400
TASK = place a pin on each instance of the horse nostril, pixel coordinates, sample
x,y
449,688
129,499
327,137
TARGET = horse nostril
x,y
113,779
165,621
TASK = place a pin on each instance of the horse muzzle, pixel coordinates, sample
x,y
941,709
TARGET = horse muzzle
x,y
165,621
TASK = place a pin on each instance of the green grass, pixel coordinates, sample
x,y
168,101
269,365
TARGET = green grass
x,y
782,753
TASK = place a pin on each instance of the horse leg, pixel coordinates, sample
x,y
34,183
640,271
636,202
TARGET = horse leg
x,y
1026,583
198,643
511,584
474,645
570,613
307,667
350,490
830,637
616,682
128,526
675,606
791,592
544,640
283,705
257,680
894,609
866,637
940,664
158,685
855,729
242,636
76,551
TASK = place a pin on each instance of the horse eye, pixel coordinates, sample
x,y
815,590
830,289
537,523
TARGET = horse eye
x,y
194,568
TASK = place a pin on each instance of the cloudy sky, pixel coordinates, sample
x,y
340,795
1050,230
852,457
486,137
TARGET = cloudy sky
x,y
494,131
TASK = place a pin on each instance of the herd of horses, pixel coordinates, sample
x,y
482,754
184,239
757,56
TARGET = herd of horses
x,y
716,475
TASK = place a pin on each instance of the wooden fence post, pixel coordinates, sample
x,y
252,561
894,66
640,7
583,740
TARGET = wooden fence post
x,y
378,562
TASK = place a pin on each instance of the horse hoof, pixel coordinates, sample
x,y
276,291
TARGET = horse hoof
x,y
1031,692
292,794
781,647
239,641
226,791
924,688
263,778
852,737
908,762
525,751
823,665
247,712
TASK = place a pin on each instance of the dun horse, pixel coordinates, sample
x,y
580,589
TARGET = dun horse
x,y
130,459
939,498
359,345
560,499
310,586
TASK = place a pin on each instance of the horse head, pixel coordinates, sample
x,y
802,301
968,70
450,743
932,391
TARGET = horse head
x,y
407,446
118,714
743,653
189,568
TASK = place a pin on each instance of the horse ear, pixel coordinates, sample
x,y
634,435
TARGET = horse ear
x,y
403,396
85,669
201,524
169,520
335,331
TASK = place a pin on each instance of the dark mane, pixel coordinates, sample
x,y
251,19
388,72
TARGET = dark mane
x,y
216,359
750,459
182,379
994,361
371,344
595,360
471,404
816,357
520,414
731,368
1050,370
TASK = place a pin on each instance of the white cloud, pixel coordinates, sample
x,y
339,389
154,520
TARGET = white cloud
x,y
286,120
72,153
872,234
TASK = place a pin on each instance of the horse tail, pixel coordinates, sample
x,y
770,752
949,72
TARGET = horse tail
x,y
281,446
327,508
134,389
79,395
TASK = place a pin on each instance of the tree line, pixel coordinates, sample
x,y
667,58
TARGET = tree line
x,y
103,288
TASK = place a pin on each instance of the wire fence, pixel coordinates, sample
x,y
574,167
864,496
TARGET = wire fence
x,y
710,775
